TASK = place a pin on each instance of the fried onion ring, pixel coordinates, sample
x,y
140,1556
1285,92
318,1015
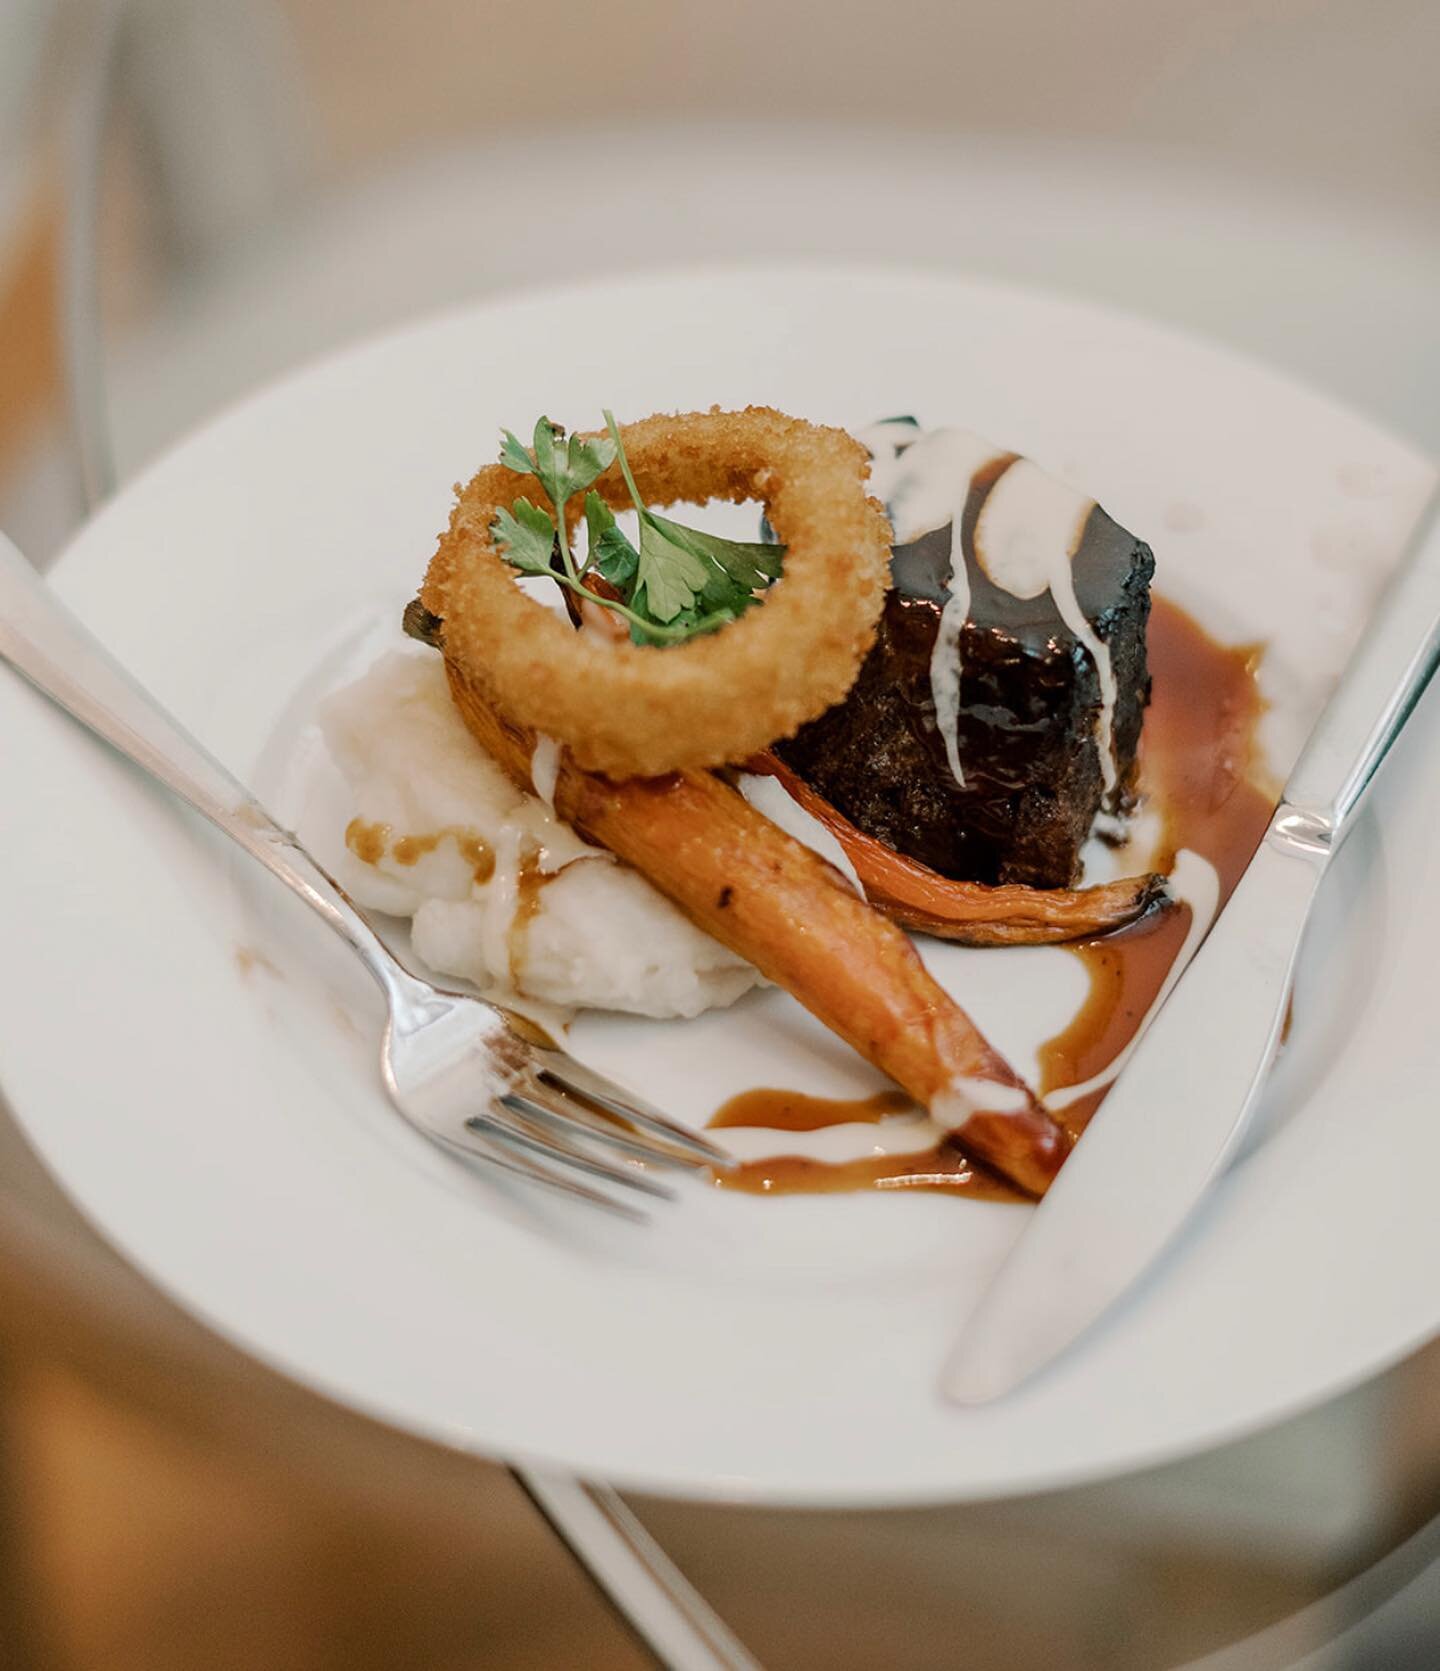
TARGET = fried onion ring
x,y
629,710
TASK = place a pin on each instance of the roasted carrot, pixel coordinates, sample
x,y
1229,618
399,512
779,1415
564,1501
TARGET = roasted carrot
x,y
973,913
782,907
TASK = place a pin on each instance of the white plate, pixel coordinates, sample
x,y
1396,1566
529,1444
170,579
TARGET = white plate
x,y
222,1125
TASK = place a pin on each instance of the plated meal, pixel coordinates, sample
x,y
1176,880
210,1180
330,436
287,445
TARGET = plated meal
x,y
247,1159
628,763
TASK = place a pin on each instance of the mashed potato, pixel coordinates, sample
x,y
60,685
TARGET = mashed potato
x,y
497,888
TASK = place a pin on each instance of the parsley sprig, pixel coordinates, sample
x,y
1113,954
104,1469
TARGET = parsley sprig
x,y
678,582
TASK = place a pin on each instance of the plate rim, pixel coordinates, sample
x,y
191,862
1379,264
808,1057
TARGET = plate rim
x,y
742,268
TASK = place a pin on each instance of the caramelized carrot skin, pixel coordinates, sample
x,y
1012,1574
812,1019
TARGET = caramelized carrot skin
x,y
782,907
1029,1148
972,913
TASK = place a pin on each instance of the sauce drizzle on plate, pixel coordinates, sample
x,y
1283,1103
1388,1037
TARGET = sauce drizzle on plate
x,y
1197,772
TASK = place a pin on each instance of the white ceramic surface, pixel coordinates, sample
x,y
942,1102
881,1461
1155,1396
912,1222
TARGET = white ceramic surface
x,y
207,1094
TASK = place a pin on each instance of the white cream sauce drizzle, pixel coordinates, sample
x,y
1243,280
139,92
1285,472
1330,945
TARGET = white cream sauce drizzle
x,y
1026,536
545,769
770,797
1195,882
966,1096
898,1134
885,442
500,899
546,836
926,484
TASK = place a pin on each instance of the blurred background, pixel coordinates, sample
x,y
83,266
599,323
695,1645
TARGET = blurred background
x,y
271,177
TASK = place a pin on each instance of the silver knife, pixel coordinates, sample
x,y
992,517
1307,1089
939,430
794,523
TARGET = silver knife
x,y
1179,1110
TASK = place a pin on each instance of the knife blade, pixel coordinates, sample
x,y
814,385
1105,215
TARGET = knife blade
x,y
1181,1107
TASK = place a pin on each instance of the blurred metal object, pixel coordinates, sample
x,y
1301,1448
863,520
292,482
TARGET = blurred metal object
x,y
220,120
627,1566
215,110
81,325
1376,1622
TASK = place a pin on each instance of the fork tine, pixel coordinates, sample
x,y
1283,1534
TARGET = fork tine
x,y
571,1075
479,1147
554,1108
514,1131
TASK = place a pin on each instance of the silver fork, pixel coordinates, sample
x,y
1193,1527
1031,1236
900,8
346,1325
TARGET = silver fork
x,y
464,1072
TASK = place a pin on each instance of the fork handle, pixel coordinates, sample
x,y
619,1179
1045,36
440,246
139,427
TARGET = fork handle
x,y
42,640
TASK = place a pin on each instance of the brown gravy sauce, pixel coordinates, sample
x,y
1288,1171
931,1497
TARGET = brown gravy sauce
x,y
943,1168
1197,769
794,1111
530,884
372,842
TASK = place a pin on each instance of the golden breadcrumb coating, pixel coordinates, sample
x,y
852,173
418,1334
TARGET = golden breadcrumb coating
x,y
631,710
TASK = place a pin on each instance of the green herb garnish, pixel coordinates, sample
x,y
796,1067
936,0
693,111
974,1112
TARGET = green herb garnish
x,y
678,583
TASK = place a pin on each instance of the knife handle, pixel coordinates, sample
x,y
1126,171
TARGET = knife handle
x,y
1371,704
